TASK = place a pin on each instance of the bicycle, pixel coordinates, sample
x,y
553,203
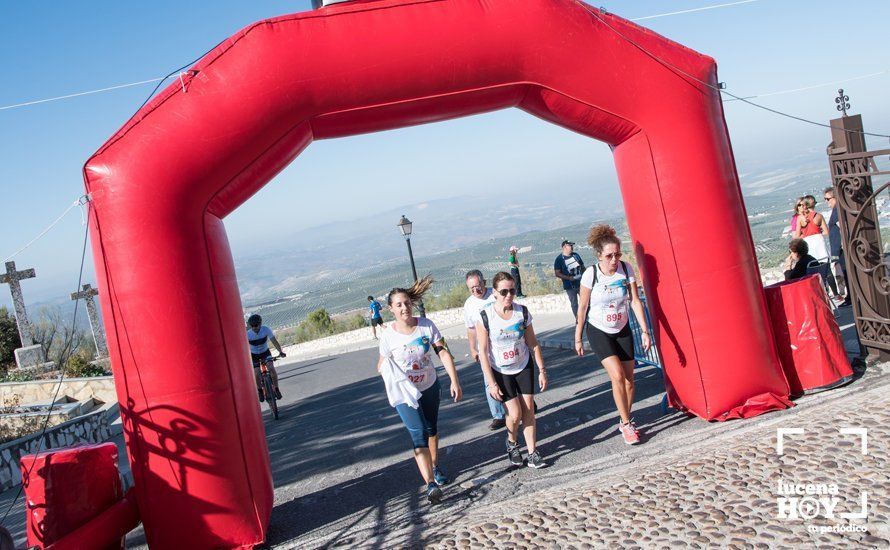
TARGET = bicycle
x,y
267,386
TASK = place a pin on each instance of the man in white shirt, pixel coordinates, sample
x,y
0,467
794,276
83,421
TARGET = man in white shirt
x,y
481,296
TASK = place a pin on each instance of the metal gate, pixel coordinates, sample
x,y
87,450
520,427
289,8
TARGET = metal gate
x,y
860,178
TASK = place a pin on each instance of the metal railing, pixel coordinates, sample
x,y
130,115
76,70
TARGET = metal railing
x,y
650,357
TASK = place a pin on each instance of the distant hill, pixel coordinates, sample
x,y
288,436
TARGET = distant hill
x,y
338,264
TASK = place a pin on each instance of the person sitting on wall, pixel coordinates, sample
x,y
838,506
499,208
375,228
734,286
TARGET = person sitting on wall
x,y
797,262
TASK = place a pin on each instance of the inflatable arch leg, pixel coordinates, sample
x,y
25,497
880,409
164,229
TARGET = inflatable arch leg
x,y
163,183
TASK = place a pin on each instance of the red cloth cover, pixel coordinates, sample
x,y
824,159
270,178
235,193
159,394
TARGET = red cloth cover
x,y
66,488
807,336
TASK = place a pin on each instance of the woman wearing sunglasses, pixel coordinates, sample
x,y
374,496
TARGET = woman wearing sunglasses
x,y
506,343
609,287
809,222
795,212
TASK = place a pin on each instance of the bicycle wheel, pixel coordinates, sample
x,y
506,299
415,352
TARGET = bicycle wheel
x,y
270,395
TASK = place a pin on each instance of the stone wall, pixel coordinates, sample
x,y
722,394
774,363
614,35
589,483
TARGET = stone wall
x,y
356,339
100,388
91,428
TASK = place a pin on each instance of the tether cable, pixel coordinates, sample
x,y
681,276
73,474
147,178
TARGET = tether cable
x,y
67,351
593,11
81,200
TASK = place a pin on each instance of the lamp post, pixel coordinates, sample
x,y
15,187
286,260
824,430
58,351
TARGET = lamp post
x,y
405,227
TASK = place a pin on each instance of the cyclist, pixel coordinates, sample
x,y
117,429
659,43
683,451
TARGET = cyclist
x,y
258,337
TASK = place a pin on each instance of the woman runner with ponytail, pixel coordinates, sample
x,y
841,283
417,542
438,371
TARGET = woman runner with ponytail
x,y
411,381
608,287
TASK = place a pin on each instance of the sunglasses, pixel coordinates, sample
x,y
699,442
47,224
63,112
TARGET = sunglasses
x,y
505,291
615,255
477,288
828,198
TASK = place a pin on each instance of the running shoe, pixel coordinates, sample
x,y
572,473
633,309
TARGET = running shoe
x,y
634,426
433,493
277,393
440,476
631,436
514,454
535,460
497,424
262,395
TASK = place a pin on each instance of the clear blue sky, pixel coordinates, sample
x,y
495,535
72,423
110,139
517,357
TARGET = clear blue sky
x,y
54,48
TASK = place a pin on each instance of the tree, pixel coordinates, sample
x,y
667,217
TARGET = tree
x,y
59,339
320,322
9,339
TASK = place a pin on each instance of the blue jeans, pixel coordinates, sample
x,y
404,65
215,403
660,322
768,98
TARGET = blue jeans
x,y
422,422
495,407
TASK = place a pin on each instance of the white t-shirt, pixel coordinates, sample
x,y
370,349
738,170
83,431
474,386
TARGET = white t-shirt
x,y
411,352
473,306
259,340
609,298
507,350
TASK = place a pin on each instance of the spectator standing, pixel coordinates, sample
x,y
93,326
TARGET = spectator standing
x,y
835,243
809,222
376,317
795,212
569,267
480,297
514,270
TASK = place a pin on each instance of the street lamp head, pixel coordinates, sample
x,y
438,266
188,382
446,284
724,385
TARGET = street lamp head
x,y
405,226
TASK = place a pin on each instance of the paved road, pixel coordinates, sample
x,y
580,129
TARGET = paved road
x,y
342,461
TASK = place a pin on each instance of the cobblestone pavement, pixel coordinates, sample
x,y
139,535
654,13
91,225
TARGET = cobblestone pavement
x,y
719,493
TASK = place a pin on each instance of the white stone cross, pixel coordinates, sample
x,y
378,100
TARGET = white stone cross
x,y
12,278
98,335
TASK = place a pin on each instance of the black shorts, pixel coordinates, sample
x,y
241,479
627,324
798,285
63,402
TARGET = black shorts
x,y
257,357
606,345
512,385
376,321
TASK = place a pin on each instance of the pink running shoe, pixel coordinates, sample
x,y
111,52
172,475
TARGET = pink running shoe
x,y
630,433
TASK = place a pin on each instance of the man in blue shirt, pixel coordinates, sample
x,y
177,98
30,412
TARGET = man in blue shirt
x,y
569,267
376,318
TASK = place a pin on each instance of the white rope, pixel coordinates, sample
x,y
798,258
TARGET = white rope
x,y
814,86
80,201
35,102
693,10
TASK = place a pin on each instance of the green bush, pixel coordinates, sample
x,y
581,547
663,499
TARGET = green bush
x,y
79,366
319,322
9,339
353,322
453,297
19,376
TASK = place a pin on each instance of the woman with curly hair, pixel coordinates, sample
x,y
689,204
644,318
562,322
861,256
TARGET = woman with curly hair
x,y
412,385
609,288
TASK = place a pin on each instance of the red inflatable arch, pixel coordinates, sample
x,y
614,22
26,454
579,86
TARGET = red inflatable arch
x,y
163,183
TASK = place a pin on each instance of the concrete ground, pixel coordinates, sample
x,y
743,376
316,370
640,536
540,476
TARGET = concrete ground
x,y
344,474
